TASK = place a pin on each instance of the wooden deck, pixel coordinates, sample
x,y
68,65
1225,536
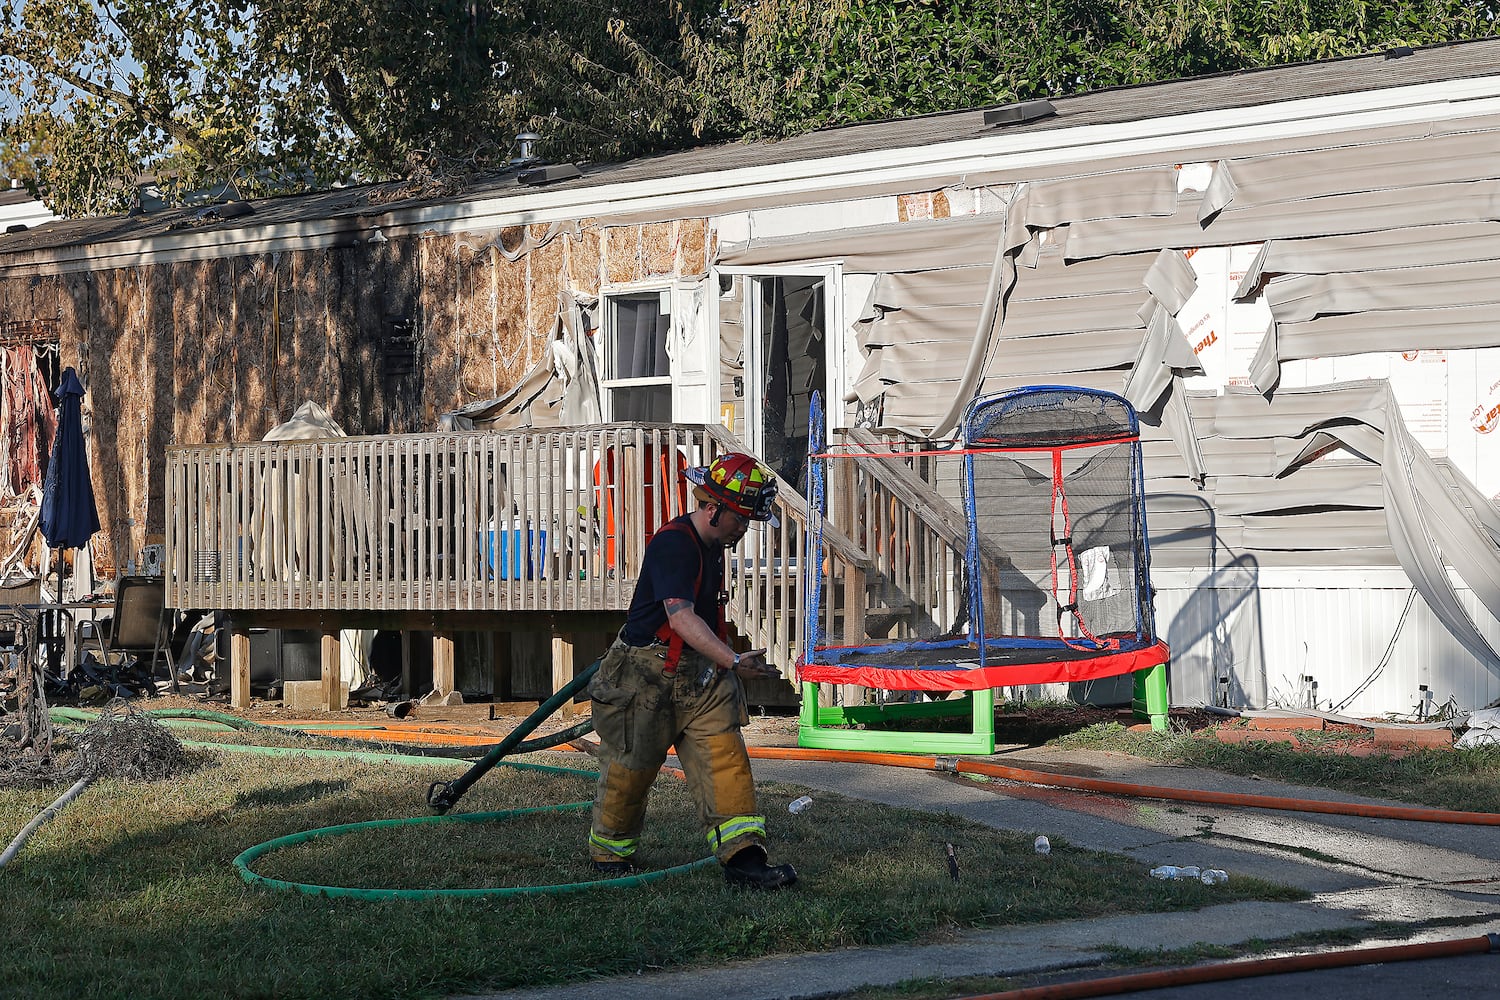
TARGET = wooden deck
x,y
449,531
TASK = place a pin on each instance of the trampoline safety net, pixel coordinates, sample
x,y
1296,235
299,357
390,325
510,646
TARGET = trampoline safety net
x,y
1054,584
1053,482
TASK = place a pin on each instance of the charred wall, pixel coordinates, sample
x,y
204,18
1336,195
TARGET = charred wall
x,y
387,335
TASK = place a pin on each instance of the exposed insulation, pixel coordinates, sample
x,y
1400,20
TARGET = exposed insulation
x,y
583,259
692,246
622,254
546,274
512,349
658,249
439,262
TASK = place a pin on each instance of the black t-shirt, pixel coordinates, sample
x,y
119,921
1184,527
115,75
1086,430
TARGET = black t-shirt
x,y
669,567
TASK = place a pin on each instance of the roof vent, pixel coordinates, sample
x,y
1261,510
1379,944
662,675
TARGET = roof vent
x,y
550,174
527,141
1400,52
1020,113
228,210
15,227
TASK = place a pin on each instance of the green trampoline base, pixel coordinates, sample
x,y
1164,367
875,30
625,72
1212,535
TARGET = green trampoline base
x,y
824,728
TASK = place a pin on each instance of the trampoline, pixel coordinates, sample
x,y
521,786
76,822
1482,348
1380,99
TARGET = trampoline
x,y
1054,583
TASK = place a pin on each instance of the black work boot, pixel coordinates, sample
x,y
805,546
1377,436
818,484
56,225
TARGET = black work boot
x,y
748,870
615,869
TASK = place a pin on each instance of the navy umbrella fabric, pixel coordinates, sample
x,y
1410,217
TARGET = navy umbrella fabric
x,y
69,516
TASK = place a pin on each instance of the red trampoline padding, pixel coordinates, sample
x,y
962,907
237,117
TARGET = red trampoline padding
x,y
976,678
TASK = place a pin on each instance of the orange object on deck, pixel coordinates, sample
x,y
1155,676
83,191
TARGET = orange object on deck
x,y
658,503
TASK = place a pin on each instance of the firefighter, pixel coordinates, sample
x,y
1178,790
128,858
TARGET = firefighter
x,y
670,678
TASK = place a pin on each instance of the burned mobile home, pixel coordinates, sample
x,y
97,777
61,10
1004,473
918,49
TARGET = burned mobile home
x,y
1289,272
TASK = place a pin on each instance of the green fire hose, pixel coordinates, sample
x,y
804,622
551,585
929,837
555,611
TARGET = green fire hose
x,y
442,796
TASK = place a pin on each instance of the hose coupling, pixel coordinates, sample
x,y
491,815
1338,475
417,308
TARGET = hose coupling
x,y
1494,941
441,796
949,764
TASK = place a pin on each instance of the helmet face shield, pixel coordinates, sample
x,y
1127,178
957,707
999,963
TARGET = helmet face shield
x,y
740,483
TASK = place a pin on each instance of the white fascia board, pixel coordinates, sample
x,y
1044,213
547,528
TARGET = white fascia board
x,y
826,177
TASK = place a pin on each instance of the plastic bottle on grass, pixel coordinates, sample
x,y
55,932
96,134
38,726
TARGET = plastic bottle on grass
x,y
1214,876
1189,871
1166,872
797,805
1043,845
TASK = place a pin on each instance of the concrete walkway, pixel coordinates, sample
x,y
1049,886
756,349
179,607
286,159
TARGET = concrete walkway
x,y
1359,870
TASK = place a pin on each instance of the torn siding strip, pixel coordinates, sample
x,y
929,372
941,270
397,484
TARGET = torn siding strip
x,y
1038,317
1454,243
1242,184
1360,212
1054,203
1164,351
1316,531
1382,330
930,244
1171,279
1297,298
1243,412
1321,484
1087,350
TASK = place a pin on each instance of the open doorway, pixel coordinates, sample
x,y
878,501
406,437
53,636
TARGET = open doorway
x,y
789,348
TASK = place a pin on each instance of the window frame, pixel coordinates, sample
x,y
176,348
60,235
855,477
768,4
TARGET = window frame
x,y
609,342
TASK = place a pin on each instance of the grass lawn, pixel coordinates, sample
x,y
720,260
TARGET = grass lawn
x,y
1468,780
130,891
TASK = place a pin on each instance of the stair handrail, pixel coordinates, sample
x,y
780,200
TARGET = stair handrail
x,y
841,545
930,506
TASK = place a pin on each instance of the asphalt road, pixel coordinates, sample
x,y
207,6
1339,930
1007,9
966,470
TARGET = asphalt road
x,y
1466,977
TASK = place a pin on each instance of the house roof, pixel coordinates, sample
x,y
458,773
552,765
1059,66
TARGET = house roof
x,y
351,210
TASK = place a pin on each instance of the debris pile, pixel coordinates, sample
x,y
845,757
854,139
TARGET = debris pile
x,y
125,742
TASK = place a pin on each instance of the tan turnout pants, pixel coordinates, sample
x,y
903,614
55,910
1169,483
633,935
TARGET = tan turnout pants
x,y
639,713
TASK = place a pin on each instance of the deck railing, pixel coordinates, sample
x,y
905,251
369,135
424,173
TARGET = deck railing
x,y
469,521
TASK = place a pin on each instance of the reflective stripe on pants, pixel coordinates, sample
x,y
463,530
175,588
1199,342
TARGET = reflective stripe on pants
x,y
640,713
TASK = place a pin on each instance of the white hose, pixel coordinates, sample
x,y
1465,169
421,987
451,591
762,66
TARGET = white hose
x,y
42,817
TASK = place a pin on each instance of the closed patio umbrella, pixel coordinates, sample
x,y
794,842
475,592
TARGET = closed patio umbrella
x,y
69,517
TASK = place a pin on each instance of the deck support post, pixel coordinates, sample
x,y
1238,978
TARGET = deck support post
x,y
442,662
239,667
564,667
405,663
331,672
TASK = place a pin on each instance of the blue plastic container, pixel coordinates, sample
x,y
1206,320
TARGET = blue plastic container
x,y
507,562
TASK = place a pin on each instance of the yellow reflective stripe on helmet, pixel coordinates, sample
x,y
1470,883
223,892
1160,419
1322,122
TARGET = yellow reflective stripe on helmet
x,y
736,826
622,848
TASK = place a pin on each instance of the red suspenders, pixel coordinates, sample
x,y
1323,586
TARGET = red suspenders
x,y
665,634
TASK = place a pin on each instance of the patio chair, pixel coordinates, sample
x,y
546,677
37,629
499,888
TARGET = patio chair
x,y
140,625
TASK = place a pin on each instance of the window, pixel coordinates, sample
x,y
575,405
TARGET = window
x,y
637,372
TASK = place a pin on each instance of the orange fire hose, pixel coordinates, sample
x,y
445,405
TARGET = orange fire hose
x,y
1248,969
930,763
926,762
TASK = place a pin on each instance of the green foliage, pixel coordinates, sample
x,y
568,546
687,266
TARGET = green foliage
x,y
287,97
815,63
